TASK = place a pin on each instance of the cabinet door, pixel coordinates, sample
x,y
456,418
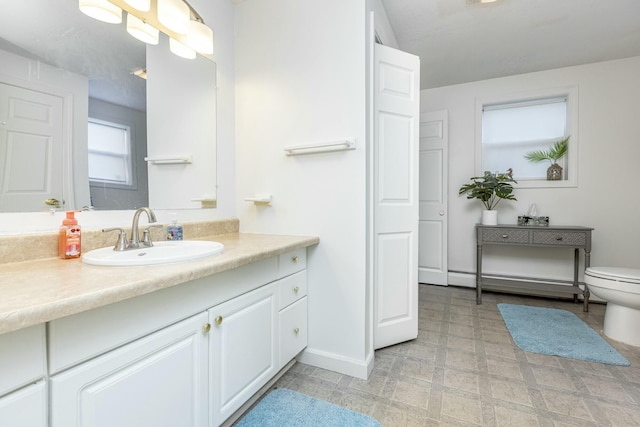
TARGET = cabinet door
x,y
26,407
293,330
159,380
243,348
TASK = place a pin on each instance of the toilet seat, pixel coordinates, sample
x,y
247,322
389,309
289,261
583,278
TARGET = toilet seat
x,y
618,274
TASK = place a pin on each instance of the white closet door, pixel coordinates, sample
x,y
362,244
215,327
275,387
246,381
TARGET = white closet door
x,y
396,111
432,264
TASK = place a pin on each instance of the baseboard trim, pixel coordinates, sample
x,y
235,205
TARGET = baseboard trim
x,y
337,363
467,280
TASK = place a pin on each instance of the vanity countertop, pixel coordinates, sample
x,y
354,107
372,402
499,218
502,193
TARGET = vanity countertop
x,y
34,292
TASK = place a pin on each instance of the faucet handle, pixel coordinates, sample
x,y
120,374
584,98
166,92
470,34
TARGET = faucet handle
x,y
122,243
146,236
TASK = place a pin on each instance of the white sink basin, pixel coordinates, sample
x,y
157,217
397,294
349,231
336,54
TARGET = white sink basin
x,y
159,253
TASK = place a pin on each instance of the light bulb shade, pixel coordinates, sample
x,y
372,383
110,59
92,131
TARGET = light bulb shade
x,y
102,10
175,15
141,5
200,37
181,50
141,30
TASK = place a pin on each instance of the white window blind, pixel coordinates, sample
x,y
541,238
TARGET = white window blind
x,y
109,152
510,130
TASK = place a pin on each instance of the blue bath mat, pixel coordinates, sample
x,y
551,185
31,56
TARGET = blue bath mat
x,y
558,333
287,408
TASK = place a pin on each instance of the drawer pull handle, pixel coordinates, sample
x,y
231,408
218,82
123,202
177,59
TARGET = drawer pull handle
x,y
206,328
296,289
218,320
505,236
294,259
297,331
559,238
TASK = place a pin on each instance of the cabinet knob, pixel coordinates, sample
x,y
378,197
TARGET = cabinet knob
x,y
505,236
294,259
296,289
559,238
297,331
218,320
206,328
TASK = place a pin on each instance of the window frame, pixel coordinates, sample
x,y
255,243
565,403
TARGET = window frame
x,y
130,127
571,93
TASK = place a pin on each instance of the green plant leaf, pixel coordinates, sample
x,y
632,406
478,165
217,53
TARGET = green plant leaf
x,y
555,153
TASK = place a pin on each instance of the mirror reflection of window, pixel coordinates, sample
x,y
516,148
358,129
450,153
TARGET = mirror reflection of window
x,y
109,148
512,129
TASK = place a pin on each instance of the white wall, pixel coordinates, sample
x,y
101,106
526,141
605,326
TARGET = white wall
x,y
608,156
300,78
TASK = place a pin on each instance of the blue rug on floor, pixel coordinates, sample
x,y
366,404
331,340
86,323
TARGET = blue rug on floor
x,y
287,408
558,333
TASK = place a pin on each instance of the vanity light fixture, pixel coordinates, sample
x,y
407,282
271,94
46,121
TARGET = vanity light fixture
x,y
180,49
141,5
175,15
177,19
102,10
141,30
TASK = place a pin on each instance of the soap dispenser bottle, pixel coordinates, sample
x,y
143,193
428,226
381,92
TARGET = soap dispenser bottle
x,y
174,230
69,237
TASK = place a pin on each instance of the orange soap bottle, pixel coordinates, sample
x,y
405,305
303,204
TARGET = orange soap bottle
x,y
69,237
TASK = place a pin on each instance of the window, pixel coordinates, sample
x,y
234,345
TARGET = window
x,y
510,128
109,153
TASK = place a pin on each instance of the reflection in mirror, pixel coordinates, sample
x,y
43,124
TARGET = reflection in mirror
x,y
49,47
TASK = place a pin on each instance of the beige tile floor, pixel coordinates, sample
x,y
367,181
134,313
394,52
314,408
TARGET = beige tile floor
x,y
465,370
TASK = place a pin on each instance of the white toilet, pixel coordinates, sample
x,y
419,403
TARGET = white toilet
x,y
620,287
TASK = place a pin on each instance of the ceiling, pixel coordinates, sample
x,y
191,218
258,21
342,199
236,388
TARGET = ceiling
x,y
459,41
456,41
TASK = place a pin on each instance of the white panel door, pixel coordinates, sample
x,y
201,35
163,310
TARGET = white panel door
x,y
396,110
31,132
432,264
157,381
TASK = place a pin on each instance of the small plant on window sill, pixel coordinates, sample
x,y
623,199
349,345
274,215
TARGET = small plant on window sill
x,y
557,151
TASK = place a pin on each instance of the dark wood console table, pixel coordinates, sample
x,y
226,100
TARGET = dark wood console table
x,y
552,236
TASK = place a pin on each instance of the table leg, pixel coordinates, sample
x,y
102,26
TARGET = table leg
x,y
479,274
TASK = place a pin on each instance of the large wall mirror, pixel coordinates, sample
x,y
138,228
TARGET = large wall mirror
x,y
169,115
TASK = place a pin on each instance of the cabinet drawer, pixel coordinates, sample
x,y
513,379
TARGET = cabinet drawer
x,y
293,330
560,238
22,357
505,235
292,288
292,262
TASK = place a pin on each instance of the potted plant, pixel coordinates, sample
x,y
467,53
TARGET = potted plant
x,y
555,153
490,189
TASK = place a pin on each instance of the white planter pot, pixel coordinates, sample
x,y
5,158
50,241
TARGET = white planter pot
x,y
489,217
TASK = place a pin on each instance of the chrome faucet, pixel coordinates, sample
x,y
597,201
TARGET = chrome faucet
x,y
135,233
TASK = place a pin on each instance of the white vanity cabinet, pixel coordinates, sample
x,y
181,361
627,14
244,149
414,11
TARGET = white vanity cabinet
x,y
157,381
23,388
187,355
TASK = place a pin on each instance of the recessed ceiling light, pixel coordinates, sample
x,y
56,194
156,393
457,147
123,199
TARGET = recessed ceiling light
x,y
481,1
